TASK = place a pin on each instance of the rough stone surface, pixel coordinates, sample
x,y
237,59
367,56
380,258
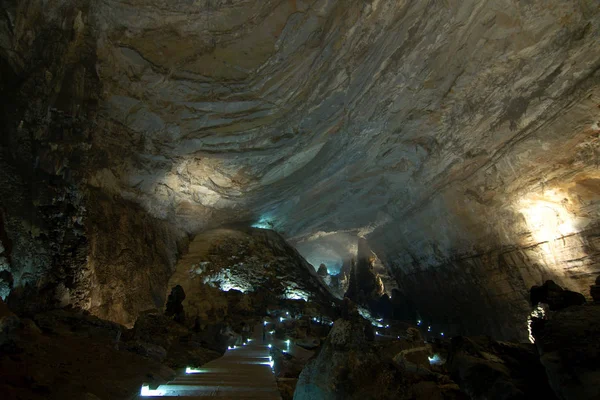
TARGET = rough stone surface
x,y
347,367
75,356
486,369
555,296
459,137
570,351
253,261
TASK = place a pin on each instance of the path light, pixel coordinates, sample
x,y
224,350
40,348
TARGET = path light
x,y
387,326
377,333
287,313
442,333
419,322
429,329
281,319
265,323
146,391
190,370
269,346
228,347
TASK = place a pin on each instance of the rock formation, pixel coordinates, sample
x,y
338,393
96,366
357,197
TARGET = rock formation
x,y
459,140
595,290
365,286
570,352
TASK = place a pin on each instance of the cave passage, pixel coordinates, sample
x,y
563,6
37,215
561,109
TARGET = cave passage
x,y
244,371
300,199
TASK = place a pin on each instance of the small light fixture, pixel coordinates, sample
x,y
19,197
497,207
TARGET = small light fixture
x,y
146,391
429,329
270,346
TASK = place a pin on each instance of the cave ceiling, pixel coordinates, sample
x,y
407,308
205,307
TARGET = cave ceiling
x,y
428,120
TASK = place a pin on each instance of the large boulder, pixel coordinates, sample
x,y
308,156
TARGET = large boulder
x,y
365,285
348,367
486,369
569,346
154,331
555,296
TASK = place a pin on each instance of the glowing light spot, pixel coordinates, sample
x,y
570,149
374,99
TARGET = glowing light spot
x,y
429,329
538,312
296,294
287,313
226,287
419,322
270,346
190,370
265,222
435,360
146,391
387,326
546,216
265,323
377,333
442,334
281,319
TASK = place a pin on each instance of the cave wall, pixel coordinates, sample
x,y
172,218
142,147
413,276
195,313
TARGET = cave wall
x,y
65,242
445,132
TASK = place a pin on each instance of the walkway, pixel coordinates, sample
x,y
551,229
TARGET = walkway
x,y
244,372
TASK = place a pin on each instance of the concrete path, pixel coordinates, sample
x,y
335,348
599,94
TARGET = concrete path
x,y
244,372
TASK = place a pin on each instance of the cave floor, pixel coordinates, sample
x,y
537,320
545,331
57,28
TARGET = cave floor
x,y
243,372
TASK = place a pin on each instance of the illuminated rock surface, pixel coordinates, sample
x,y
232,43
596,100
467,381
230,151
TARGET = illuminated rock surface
x,y
256,262
460,139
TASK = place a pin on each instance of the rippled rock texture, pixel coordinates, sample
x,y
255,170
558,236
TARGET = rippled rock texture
x,y
459,137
